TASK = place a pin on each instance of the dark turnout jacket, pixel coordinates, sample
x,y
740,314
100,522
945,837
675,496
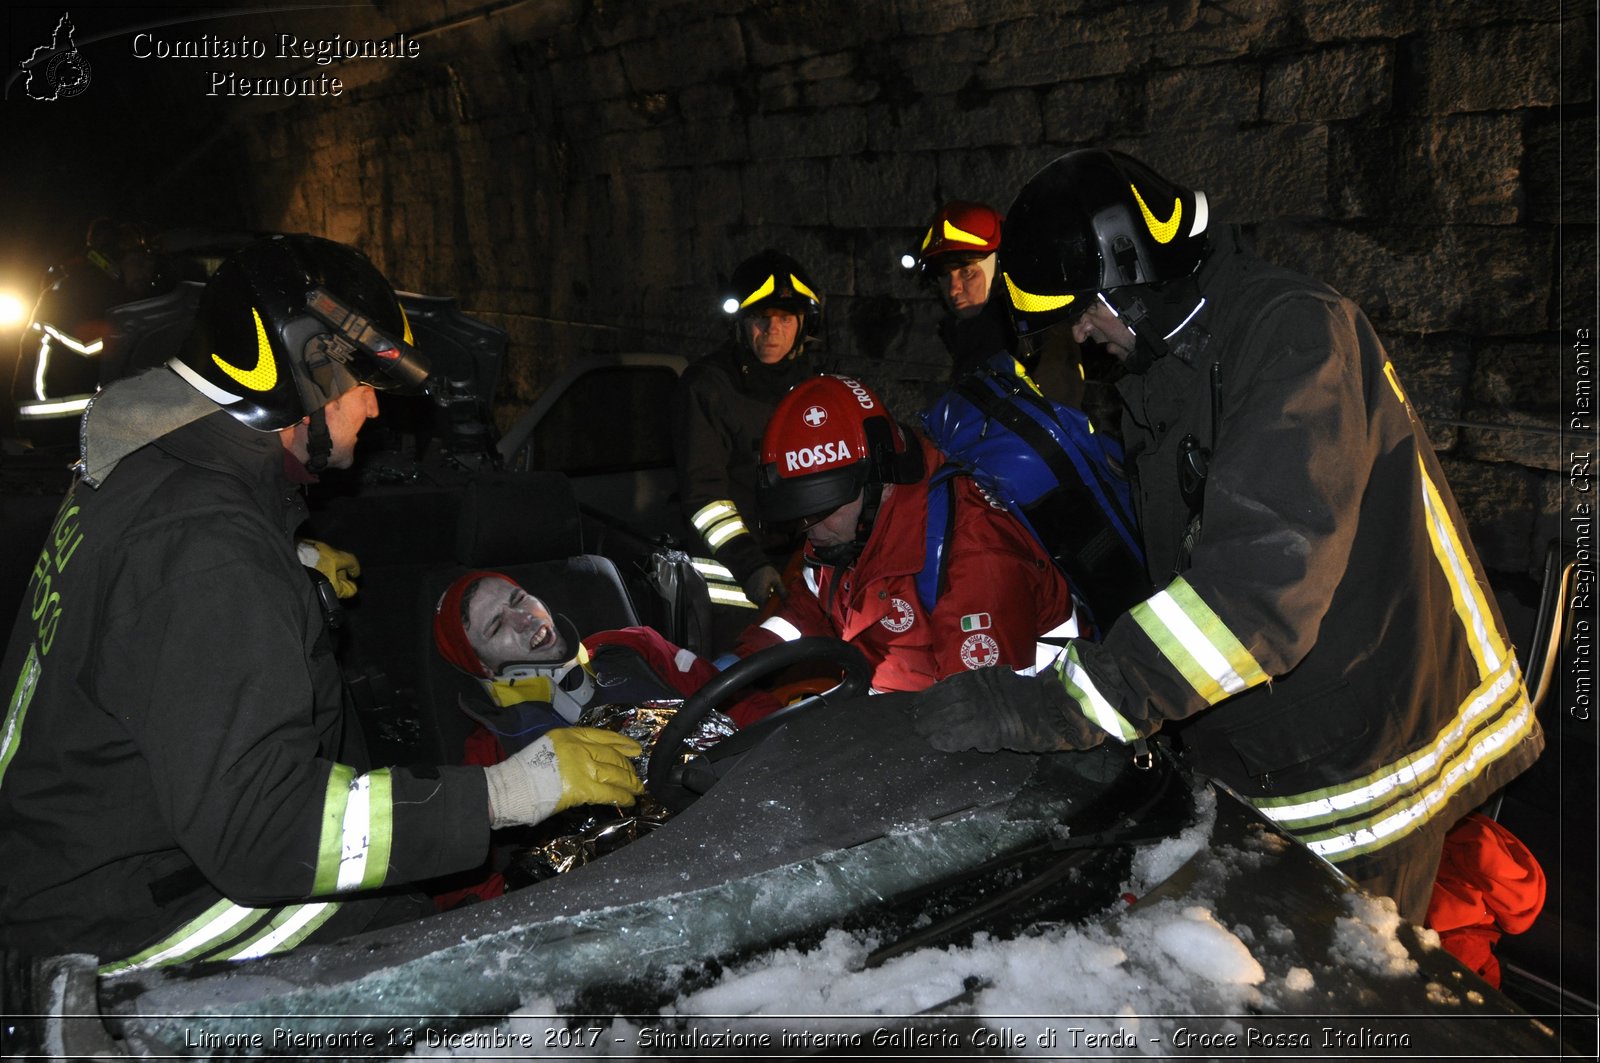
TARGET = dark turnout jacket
x,y
720,413
174,781
1330,644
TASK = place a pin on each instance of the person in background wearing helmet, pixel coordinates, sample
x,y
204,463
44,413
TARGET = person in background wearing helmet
x,y
721,408
837,465
1324,642
178,776
956,259
61,361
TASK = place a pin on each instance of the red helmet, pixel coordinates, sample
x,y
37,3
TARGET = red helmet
x,y
829,438
960,228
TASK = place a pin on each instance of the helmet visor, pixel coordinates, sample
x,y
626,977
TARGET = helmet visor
x,y
362,349
798,499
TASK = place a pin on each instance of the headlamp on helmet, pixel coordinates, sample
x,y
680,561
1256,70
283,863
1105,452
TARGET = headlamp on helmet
x,y
961,231
773,280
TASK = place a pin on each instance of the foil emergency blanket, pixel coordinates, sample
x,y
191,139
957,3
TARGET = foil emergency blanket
x,y
573,838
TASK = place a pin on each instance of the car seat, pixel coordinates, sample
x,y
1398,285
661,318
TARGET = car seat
x,y
526,525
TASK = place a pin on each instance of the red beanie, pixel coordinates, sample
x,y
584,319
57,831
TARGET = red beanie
x,y
448,633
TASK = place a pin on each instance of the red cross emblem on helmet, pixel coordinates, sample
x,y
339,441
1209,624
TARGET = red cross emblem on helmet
x,y
807,468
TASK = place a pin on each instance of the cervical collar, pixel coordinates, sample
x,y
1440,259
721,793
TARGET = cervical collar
x,y
566,686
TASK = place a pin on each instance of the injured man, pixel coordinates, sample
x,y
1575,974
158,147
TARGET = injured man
x,y
536,674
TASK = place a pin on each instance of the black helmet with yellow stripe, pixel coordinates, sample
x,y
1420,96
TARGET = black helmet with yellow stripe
x,y
773,280
291,322
1096,223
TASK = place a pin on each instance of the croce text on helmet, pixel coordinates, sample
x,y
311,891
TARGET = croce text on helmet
x,y
961,229
288,324
1094,221
829,438
773,280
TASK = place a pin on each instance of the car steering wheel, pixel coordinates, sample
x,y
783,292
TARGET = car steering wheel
x,y
660,778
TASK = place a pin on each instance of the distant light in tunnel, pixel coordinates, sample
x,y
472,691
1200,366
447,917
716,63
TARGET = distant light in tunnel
x,y
908,260
13,311
730,305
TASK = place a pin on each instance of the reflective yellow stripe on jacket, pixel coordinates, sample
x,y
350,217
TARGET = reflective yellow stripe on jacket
x,y
721,587
1080,687
357,831
1496,715
1197,643
717,522
1192,638
223,925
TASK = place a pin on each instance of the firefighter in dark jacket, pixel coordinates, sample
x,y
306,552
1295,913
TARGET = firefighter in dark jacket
x,y
1325,642
178,777
62,358
721,409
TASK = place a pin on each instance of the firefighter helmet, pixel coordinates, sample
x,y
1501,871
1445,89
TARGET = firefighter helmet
x,y
960,230
1095,221
829,438
773,280
115,238
288,324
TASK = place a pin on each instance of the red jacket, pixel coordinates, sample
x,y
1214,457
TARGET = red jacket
x,y
1001,593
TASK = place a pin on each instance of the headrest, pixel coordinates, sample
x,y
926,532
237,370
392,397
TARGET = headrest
x,y
509,518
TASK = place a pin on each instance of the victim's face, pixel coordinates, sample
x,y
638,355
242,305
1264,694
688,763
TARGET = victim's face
x,y
506,624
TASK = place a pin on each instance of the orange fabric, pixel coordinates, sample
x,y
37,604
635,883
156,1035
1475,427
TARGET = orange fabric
x,y
1488,884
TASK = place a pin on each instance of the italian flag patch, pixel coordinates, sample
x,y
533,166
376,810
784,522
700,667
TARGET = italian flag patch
x,y
975,622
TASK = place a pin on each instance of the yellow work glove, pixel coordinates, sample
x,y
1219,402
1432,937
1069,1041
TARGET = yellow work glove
x,y
562,768
340,568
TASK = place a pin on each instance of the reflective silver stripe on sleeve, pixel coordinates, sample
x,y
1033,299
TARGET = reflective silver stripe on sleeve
x,y
711,569
731,596
17,711
1051,645
718,521
781,628
290,928
1090,701
221,922
72,343
722,588
357,831
1196,642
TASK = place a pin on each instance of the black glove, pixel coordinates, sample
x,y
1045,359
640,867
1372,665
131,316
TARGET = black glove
x,y
763,583
990,709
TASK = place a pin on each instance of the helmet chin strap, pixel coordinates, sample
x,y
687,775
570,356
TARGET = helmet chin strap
x,y
319,444
1163,321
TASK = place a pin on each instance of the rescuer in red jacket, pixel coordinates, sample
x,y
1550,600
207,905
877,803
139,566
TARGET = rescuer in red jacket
x,y
835,462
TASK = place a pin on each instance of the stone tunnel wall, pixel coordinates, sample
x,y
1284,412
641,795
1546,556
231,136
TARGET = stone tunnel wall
x,y
586,174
